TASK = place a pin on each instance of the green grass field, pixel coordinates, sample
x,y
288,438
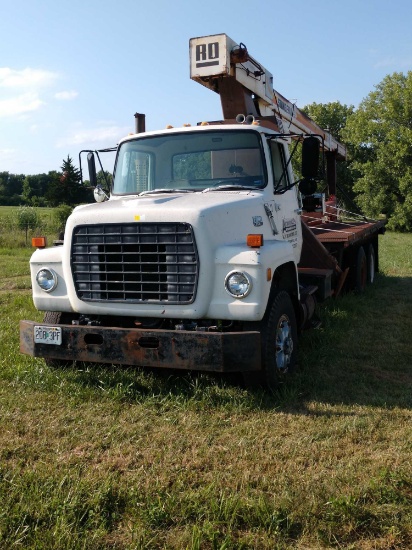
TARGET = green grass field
x,y
96,457
13,237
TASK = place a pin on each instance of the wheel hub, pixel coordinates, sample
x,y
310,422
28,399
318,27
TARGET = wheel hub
x,y
284,343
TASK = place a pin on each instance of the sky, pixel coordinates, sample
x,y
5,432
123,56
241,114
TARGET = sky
x,y
74,72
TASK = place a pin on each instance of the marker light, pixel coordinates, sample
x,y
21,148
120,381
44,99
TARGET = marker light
x,y
254,241
39,242
238,284
46,279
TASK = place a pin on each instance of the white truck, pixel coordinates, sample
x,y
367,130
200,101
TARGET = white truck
x,y
209,254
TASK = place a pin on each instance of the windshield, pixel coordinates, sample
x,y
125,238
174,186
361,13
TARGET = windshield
x,y
190,161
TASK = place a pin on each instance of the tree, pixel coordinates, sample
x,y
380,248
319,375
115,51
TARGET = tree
x,y
27,218
61,214
333,117
381,133
104,179
67,188
34,189
11,186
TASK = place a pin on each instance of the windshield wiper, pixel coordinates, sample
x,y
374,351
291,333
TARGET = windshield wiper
x,y
230,187
154,191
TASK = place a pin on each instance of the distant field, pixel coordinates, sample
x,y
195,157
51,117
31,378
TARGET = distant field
x,y
45,213
11,235
96,457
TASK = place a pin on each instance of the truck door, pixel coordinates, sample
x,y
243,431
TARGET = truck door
x,y
286,200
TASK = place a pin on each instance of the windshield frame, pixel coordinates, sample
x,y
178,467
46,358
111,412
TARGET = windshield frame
x,y
222,182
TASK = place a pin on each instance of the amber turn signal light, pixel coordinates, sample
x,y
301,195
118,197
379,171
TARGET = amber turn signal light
x,y
39,242
254,241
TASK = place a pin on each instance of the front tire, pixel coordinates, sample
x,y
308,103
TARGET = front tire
x,y
279,340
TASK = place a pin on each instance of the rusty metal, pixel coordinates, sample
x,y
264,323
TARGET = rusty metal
x,y
235,99
347,232
314,254
205,351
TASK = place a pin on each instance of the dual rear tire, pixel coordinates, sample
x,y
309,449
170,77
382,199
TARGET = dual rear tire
x,y
365,267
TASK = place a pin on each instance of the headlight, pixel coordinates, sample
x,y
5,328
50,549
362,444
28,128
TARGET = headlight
x,y
46,279
238,284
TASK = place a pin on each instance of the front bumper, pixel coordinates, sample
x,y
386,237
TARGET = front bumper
x,y
187,350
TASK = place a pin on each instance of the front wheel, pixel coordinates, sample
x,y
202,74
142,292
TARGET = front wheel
x,y
279,339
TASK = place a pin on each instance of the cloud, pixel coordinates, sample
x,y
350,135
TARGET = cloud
x,y
20,90
104,136
66,95
26,78
20,104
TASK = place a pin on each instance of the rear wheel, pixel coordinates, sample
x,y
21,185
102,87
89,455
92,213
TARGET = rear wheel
x,y
371,263
57,318
279,339
361,274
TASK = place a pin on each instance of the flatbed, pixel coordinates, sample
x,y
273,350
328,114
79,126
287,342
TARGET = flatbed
x,y
345,232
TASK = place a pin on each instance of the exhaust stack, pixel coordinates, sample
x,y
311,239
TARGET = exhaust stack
x,y
140,123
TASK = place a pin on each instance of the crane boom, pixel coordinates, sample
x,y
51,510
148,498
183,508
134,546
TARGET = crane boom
x,y
246,87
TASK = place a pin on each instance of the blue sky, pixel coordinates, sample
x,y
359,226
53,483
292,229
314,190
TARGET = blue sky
x,y
74,72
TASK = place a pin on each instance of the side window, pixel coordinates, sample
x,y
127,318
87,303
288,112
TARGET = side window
x,y
280,172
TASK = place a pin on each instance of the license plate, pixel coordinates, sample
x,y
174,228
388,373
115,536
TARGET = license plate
x,y
48,335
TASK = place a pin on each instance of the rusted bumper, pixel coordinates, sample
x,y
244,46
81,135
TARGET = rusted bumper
x,y
206,351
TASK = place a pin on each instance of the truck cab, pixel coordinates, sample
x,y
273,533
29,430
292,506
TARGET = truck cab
x,y
198,221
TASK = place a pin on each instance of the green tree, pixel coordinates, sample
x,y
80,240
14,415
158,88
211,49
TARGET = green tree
x,y
11,186
60,215
104,178
27,218
333,117
67,187
381,134
35,189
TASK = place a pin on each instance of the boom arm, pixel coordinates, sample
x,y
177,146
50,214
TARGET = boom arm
x,y
246,87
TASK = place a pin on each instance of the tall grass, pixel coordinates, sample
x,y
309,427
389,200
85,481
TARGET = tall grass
x,y
107,457
13,237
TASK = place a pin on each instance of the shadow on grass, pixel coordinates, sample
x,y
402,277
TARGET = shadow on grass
x,y
361,355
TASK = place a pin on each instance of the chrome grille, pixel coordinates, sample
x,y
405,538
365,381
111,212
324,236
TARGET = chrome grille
x,y
138,262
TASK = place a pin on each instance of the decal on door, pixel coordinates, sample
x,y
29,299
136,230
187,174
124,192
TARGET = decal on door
x,y
290,232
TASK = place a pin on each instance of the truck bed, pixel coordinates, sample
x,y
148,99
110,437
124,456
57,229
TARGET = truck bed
x,y
329,250
344,232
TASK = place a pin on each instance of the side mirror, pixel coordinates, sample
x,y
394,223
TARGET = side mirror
x,y
310,157
99,194
92,169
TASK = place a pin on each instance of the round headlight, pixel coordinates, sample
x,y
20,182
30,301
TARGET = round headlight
x,y
46,279
238,284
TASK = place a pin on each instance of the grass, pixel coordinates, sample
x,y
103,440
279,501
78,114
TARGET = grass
x,y
107,457
12,237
